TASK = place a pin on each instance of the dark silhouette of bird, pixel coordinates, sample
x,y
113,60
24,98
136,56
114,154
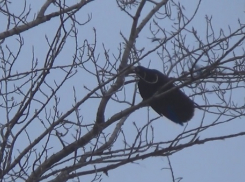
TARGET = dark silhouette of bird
x,y
174,105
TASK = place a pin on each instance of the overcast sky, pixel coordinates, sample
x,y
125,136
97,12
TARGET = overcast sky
x,y
220,161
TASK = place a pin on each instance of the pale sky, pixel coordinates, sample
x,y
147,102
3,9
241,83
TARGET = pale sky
x,y
219,161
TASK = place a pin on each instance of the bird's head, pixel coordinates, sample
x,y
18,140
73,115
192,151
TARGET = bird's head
x,y
147,75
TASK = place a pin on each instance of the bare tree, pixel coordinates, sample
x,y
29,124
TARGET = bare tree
x,y
56,122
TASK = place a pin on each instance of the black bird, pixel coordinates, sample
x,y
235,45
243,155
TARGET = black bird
x,y
174,105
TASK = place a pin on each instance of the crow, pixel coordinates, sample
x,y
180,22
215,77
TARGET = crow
x,y
174,105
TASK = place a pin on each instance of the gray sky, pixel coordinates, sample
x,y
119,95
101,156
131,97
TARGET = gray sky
x,y
213,162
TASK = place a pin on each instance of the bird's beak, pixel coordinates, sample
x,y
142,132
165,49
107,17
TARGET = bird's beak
x,y
136,69
132,70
